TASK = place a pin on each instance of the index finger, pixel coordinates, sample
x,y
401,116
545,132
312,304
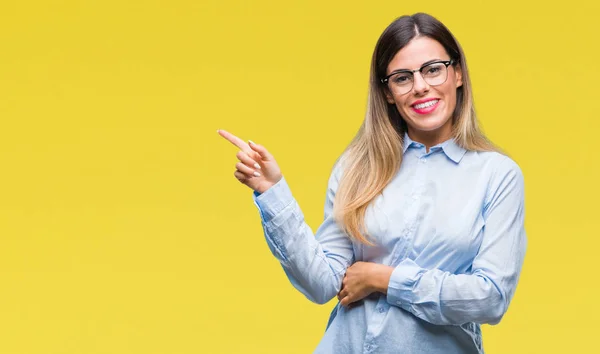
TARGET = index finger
x,y
234,140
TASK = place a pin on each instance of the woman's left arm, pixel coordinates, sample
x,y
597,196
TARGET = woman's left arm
x,y
483,296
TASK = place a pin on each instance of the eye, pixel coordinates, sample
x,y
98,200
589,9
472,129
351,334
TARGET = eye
x,y
401,78
433,69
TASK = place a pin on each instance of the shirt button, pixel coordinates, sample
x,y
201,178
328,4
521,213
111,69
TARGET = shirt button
x,y
381,310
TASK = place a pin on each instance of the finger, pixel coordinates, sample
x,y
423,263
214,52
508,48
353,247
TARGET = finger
x,y
247,160
234,140
240,176
261,150
354,304
249,172
346,301
350,301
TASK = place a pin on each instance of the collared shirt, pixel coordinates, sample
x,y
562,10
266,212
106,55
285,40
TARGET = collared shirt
x,y
451,223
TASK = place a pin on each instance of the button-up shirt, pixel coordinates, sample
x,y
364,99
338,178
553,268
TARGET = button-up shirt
x,y
451,223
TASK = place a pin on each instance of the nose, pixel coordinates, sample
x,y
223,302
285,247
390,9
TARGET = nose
x,y
419,85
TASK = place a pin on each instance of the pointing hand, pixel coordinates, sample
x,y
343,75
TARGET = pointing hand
x,y
256,168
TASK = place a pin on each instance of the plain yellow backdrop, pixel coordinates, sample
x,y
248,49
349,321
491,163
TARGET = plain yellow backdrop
x,y
123,229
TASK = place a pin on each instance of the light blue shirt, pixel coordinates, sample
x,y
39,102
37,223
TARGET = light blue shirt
x,y
451,223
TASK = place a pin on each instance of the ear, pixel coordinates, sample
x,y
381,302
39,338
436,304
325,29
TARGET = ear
x,y
458,74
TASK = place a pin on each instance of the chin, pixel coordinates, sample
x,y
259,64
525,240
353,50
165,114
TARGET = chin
x,y
427,124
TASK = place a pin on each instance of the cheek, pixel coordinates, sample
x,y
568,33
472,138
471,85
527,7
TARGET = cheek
x,y
401,104
403,109
451,100
397,101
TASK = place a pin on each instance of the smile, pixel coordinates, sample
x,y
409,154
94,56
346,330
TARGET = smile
x,y
426,107
426,104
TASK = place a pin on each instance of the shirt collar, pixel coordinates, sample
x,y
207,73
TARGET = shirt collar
x,y
407,143
450,148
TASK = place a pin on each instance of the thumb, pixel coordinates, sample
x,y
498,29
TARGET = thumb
x,y
261,150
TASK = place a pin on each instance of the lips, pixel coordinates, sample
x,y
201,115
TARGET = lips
x,y
425,106
420,104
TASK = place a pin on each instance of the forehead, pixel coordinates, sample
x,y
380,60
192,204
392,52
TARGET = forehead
x,y
418,51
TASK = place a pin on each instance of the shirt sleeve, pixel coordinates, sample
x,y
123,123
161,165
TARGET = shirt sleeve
x,y
482,296
315,263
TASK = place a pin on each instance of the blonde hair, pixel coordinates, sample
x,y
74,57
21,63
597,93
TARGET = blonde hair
x,y
374,156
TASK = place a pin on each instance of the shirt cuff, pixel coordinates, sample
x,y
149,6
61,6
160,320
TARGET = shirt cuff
x,y
402,281
272,201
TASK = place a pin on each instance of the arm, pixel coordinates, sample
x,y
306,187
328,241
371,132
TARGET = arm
x,y
314,263
484,295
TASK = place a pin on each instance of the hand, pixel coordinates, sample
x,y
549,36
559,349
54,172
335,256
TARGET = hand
x,y
362,279
257,168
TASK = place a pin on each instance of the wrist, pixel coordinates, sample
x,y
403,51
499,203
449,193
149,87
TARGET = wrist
x,y
265,186
381,278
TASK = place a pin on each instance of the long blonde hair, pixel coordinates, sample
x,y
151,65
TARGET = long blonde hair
x,y
374,156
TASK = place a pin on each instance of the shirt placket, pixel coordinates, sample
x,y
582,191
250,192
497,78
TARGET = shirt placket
x,y
412,207
375,323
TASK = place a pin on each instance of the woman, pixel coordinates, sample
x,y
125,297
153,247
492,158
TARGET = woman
x,y
423,238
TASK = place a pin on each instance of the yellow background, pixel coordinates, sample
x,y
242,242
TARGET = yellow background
x,y
123,229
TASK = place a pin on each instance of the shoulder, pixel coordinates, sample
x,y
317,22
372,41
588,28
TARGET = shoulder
x,y
503,165
495,164
504,177
498,172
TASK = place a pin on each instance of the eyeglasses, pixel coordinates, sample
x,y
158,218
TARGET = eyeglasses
x,y
434,74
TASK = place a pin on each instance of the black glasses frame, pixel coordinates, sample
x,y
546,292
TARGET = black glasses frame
x,y
447,63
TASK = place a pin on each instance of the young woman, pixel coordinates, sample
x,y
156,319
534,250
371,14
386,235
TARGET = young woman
x,y
423,238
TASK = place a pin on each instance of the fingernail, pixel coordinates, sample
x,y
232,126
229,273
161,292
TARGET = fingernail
x,y
257,166
256,174
251,142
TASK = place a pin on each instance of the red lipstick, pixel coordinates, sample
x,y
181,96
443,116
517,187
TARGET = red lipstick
x,y
426,109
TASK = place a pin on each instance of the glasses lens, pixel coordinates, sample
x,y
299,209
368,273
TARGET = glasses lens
x,y
435,74
401,83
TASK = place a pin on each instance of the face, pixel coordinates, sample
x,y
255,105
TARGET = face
x,y
427,123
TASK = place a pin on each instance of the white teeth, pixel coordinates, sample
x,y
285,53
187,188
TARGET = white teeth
x,y
426,104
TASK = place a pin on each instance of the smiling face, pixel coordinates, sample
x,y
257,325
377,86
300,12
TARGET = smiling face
x,y
427,110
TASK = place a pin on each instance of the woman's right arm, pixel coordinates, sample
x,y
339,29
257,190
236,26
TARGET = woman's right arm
x,y
314,263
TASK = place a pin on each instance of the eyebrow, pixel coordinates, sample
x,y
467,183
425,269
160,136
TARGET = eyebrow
x,y
422,65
